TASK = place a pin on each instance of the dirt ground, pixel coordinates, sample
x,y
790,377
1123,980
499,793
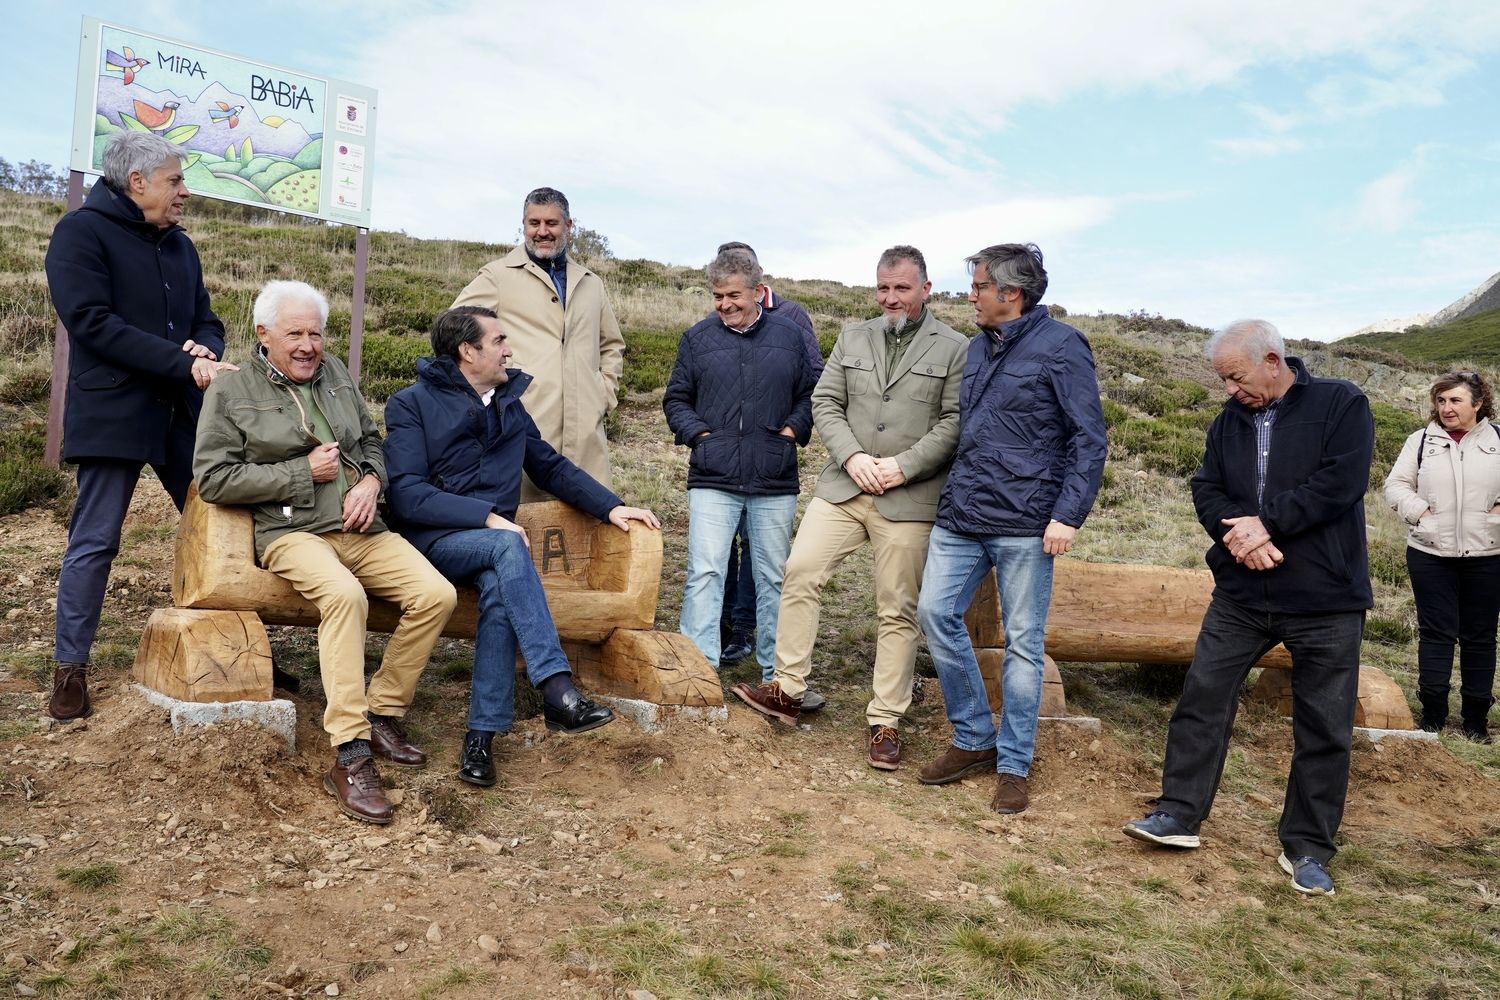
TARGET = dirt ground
x,y
234,874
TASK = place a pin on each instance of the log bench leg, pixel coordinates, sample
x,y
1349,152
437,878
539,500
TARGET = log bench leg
x,y
1380,704
205,656
663,668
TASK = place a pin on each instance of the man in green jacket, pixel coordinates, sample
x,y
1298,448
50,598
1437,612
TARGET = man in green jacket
x,y
289,436
887,409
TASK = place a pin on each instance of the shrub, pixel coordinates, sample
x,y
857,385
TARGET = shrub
x,y
649,356
25,481
25,386
1388,631
1161,397
1114,413
1160,445
1392,427
1115,356
385,356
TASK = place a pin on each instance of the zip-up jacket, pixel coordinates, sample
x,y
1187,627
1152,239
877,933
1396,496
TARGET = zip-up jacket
x,y
254,437
130,294
453,461
742,388
1459,481
1322,439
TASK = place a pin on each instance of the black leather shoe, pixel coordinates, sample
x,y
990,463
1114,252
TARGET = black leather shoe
x,y
576,715
478,765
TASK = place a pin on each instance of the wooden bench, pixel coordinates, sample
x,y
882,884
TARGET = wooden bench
x,y
1127,613
601,586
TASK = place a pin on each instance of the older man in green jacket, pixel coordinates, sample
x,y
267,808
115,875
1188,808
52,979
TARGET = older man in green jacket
x,y
289,436
887,409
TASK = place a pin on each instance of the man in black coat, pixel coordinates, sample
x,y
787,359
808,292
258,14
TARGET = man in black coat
x,y
128,287
1281,493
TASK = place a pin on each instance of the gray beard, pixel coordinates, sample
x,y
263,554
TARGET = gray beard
x,y
895,326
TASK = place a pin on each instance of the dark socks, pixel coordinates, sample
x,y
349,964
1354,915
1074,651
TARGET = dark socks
x,y
353,751
556,687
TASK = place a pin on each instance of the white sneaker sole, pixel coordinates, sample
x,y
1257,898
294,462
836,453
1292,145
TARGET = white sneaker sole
x,y
1184,841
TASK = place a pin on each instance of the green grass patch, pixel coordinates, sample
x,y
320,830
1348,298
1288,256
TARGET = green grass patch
x,y
91,877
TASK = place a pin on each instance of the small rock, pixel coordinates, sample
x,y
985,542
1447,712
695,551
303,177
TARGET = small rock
x,y
641,995
877,948
15,961
332,989
1413,897
487,845
399,947
564,837
396,796
434,934
22,990
990,825
489,945
736,873
375,843
63,947
389,907
1257,798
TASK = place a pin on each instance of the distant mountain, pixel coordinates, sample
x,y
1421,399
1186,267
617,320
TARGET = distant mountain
x,y
1393,325
1481,300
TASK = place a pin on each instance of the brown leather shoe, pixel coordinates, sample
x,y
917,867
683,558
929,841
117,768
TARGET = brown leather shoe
x,y
767,699
388,741
1010,794
885,748
70,692
359,791
955,764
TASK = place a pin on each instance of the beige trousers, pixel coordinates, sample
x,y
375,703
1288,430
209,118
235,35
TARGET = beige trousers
x,y
829,533
333,571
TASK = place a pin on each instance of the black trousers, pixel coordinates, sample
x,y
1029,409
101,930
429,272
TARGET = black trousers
x,y
1325,681
1458,603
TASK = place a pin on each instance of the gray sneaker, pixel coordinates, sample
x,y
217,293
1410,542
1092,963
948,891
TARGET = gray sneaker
x,y
1161,829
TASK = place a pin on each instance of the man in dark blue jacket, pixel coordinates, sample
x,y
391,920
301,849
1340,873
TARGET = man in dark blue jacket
x,y
740,396
1281,493
1031,451
144,344
456,444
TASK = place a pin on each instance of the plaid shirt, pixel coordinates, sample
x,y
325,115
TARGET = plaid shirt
x,y
1264,418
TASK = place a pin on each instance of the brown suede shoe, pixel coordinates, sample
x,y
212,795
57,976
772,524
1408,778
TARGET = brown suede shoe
x,y
1010,794
70,692
956,764
388,741
359,791
885,747
767,699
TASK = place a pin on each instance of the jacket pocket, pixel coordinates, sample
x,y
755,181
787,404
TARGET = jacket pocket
x,y
859,375
101,377
776,457
927,382
713,457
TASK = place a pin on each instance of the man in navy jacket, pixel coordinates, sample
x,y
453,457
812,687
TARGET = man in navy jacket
x,y
1030,456
1281,493
144,344
740,396
456,444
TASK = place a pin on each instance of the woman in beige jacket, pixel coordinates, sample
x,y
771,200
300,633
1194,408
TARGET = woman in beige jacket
x,y
1446,486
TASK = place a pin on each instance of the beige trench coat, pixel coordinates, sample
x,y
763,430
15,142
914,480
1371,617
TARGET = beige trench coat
x,y
575,358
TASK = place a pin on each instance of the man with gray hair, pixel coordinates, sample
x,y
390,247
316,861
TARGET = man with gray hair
x,y
1281,495
887,409
740,398
289,435
558,321
1030,457
143,344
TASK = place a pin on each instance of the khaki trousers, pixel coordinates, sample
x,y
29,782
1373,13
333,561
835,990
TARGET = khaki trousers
x,y
829,533
333,571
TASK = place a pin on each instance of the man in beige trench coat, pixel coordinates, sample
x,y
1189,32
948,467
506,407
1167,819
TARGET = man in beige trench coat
x,y
562,331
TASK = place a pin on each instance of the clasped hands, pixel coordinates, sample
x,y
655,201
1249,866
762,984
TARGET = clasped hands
x,y
874,475
359,502
1250,543
206,365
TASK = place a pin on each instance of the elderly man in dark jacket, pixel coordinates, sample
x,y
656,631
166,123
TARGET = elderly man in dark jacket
x,y
1281,493
740,396
127,285
457,442
1030,456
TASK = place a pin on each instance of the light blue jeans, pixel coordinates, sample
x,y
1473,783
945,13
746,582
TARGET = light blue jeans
x,y
713,517
956,564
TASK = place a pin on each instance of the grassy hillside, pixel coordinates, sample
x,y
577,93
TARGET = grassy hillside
x,y
1470,342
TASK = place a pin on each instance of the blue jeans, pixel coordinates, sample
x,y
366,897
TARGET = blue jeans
x,y
513,614
956,564
713,517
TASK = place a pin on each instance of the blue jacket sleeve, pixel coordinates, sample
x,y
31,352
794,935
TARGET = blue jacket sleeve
x,y
800,420
680,400
1211,496
560,477
410,492
1076,386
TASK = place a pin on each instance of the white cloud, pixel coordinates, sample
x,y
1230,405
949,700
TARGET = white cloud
x,y
1259,145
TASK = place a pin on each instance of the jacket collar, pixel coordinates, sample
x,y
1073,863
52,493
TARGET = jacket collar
x,y
444,373
1018,327
1301,378
120,208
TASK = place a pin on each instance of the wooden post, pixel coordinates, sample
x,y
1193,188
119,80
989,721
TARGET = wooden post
x,y
357,306
58,400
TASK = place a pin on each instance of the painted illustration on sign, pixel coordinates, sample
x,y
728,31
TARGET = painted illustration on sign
x,y
247,132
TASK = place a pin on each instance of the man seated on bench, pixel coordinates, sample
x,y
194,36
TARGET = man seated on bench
x,y
457,442
289,435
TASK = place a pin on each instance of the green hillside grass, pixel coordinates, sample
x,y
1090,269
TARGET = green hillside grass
x,y
1474,341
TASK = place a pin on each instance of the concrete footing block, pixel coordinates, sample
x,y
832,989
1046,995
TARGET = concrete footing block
x,y
652,718
1088,722
278,715
1376,735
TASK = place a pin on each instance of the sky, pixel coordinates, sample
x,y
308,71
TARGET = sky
x,y
1323,165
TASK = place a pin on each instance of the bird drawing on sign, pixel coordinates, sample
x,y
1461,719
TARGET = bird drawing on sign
x,y
127,64
225,113
156,119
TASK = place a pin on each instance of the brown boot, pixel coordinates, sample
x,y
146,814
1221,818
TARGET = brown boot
x,y
359,791
767,699
956,764
388,741
1010,794
885,748
70,692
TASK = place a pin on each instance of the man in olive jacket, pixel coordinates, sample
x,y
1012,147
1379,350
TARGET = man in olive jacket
x,y
289,436
128,287
887,409
559,323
